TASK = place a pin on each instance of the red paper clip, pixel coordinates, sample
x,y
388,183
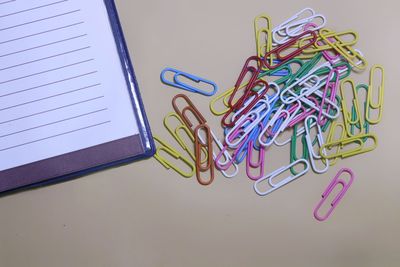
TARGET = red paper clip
x,y
199,146
240,104
288,45
254,75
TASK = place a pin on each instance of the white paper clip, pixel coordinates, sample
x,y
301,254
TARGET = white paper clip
x,y
253,118
226,154
320,140
270,177
266,140
294,26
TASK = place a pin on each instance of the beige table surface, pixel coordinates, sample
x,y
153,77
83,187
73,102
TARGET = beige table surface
x,y
143,215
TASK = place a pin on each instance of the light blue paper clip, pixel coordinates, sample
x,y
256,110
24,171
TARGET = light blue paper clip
x,y
179,84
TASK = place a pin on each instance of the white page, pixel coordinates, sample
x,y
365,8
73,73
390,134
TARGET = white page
x,y
62,88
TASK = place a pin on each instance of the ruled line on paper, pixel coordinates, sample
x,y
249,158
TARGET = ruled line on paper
x,y
54,122
47,71
39,20
51,83
45,58
57,135
6,2
51,110
43,32
44,45
52,96
33,8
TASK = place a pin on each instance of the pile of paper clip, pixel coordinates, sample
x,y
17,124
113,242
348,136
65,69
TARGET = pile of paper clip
x,y
299,81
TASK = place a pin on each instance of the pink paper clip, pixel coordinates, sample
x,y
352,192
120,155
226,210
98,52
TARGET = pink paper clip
x,y
336,181
227,164
330,55
304,114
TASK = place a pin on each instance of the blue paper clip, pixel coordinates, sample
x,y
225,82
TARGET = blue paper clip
x,y
179,84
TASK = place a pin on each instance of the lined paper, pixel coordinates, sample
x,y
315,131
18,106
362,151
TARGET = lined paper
x,y
62,88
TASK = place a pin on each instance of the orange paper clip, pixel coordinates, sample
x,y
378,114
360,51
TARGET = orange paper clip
x,y
191,108
204,144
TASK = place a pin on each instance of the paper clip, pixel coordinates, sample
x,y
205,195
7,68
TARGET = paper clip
x,y
334,37
240,131
265,139
249,159
218,98
278,51
293,149
199,145
263,46
175,154
348,119
227,94
332,86
352,56
320,140
179,84
311,102
270,177
330,138
225,154
358,140
256,97
365,127
294,26
190,107
308,83
175,133
223,166
247,68
337,180
380,89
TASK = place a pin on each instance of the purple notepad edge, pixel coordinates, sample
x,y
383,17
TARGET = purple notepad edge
x,y
73,162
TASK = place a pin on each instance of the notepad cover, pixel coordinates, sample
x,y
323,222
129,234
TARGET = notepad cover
x,y
134,136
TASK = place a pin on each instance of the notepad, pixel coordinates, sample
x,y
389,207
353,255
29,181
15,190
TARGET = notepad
x,y
66,85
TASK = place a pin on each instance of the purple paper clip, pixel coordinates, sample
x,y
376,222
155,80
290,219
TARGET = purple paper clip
x,y
336,181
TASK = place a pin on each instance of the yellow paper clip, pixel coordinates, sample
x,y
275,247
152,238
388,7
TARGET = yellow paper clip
x,y
381,88
177,136
351,55
320,45
264,45
222,97
175,132
347,114
358,142
331,136
225,99
176,155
